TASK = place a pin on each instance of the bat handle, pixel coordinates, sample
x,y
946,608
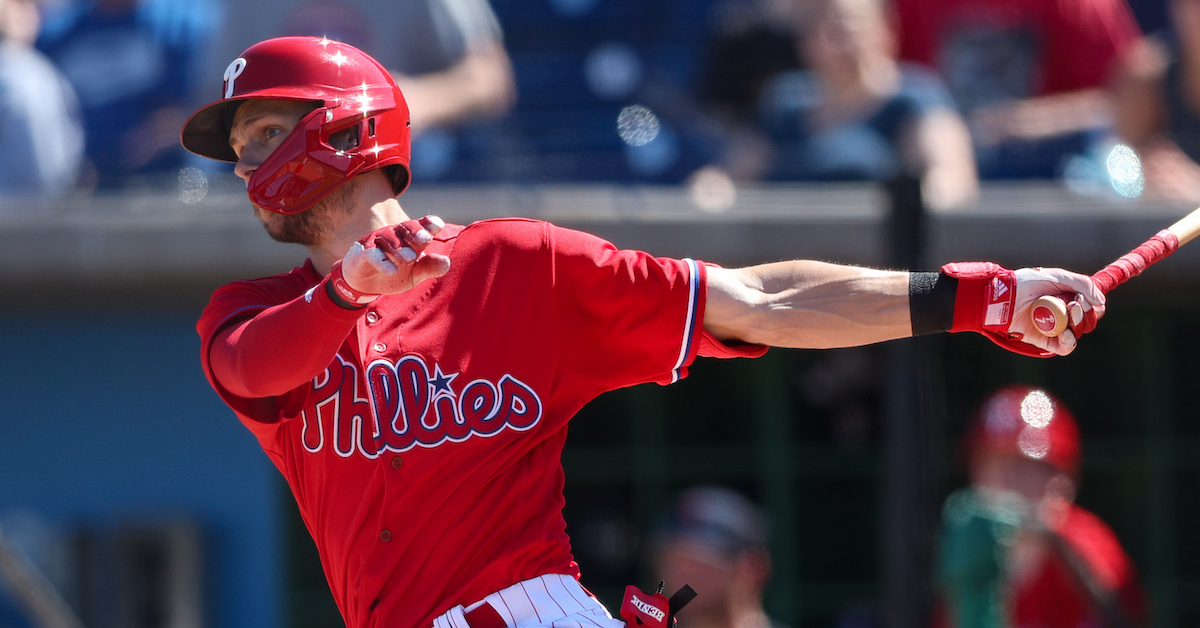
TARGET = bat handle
x,y
1049,313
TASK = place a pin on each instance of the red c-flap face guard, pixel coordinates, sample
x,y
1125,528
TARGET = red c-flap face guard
x,y
305,166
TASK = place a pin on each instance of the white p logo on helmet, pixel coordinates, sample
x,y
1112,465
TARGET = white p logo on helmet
x,y
234,70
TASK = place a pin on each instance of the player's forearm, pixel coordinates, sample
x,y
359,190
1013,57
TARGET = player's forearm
x,y
282,347
1041,117
807,304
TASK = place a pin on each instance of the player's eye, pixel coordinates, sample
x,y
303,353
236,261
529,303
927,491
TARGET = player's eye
x,y
271,132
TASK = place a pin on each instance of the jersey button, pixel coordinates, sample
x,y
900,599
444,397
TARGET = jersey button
x,y
372,317
385,536
379,346
397,462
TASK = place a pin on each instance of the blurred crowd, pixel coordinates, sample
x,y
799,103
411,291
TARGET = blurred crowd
x,y
719,92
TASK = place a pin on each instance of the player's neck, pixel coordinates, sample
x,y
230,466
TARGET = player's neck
x,y
363,220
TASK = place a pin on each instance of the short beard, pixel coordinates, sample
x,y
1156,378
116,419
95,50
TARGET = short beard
x,y
314,225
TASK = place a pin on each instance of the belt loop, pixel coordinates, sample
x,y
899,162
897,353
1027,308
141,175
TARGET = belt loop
x,y
484,616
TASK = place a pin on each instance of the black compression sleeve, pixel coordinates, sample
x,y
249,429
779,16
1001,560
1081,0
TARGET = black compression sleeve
x,y
337,298
931,302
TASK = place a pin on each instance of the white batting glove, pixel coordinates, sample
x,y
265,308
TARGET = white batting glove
x,y
1085,306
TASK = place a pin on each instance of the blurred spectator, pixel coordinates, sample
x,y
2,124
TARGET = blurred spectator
x,y
715,541
131,62
1015,549
1030,75
41,138
1158,105
452,65
747,42
454,74
859,115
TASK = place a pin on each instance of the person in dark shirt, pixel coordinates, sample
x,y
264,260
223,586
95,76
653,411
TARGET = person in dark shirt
x,y
860,115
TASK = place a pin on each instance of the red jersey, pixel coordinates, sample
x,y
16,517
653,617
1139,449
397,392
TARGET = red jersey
x,y
425,459
1055,596
990,50
1088,581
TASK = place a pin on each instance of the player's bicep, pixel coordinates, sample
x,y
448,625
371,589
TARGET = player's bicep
x,y
223,358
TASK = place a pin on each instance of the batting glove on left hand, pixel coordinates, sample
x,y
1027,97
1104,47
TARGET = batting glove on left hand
x,y
997,303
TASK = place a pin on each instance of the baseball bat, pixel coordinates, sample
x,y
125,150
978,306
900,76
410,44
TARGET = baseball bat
x,y
1050,313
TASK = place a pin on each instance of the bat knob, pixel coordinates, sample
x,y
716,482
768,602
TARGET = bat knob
x,y
1049,316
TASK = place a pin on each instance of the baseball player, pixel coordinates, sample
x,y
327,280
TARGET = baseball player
x,y
715,540
413,380
1015,548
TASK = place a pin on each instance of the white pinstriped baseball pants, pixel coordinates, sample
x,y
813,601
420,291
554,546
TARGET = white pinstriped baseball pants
x,y
552,600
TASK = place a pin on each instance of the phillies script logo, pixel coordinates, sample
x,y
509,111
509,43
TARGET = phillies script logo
x,y
410,407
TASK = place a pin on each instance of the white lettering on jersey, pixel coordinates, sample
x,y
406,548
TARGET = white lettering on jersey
x,y
410,406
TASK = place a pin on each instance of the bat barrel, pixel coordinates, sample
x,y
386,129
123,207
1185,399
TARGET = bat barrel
x,y
1187,227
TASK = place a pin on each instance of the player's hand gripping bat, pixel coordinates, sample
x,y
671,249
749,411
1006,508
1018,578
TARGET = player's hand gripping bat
x,y
1050,313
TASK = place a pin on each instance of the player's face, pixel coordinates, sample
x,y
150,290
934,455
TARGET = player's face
x,y
259,126
1032,480
707,570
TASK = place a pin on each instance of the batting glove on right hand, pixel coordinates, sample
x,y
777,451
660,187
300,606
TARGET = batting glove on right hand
x,y
392,259
997,303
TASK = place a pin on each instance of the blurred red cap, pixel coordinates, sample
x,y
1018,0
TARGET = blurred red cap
x,y
1027,422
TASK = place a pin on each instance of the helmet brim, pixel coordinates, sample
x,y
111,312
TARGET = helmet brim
x,y
206,133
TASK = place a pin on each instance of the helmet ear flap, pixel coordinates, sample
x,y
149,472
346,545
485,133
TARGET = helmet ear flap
x,y
398,175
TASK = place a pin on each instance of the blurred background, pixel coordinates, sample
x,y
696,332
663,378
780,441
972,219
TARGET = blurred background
x,y
901,133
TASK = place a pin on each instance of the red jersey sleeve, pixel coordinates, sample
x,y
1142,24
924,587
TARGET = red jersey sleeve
x,y
273,324
627,317
1109,566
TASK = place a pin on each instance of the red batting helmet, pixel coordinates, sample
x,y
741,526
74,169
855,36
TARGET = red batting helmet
x,y
353,92
1028,422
